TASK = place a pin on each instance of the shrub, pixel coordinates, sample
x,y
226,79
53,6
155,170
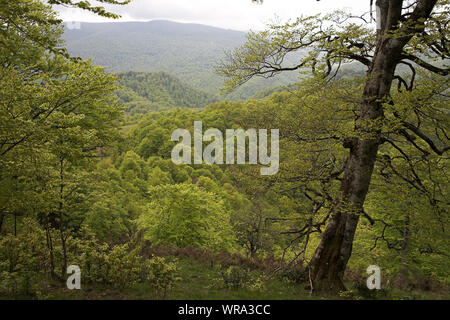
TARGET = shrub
x,y
18,284
25,263
234,277
161,275
237,278
121,267
294,274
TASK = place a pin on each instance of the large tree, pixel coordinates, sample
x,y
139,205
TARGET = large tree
x,y
413,34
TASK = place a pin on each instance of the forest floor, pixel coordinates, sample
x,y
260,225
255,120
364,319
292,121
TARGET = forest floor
x,y
200,281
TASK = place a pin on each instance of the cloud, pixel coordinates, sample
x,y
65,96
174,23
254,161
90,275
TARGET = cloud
x,y
230,14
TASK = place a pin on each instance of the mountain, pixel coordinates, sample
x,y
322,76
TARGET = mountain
x,y
187,51
143,92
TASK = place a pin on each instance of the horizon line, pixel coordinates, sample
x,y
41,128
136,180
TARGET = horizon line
x,y
153,20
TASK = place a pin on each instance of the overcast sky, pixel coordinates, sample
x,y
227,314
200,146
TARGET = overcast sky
x,y
229,14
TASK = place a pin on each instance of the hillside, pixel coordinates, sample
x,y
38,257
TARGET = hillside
x,y
156,91
334,185
187,51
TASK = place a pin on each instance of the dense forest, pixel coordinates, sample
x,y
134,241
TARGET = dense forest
x,y
143,92
87,178
185,50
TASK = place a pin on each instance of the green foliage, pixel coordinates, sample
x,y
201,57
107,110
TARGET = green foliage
x,y
183,214
234,278
85,5
116,266
158,91
32,29
121,267
162,275
25,252
76,190
108,219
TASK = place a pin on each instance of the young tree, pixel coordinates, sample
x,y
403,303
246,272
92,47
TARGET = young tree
x,y
184,214
409,33
56,116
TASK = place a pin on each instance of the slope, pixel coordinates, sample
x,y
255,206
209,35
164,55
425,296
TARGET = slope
x,y
187,51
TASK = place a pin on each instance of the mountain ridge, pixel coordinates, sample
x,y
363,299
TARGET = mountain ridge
x,y
188,51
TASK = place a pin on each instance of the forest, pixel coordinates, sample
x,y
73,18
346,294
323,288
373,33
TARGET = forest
x,y
87,178
187,51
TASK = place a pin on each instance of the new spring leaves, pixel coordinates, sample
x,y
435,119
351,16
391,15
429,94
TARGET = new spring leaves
x,y
213,152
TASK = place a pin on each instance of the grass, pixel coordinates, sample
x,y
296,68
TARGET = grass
x,y
202,281
198,283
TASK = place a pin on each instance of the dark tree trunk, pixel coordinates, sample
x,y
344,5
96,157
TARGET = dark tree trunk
x,y
2,216
330,259
61,218
50,248
404,247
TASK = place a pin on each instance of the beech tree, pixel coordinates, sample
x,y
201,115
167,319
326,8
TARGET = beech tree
x,y
413,34
85,5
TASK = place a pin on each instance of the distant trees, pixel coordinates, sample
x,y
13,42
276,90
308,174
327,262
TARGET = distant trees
x,y
145,92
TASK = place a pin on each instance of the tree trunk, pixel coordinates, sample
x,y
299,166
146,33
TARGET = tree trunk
x,y
50,248
330,259
404,246
61,218
331,256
